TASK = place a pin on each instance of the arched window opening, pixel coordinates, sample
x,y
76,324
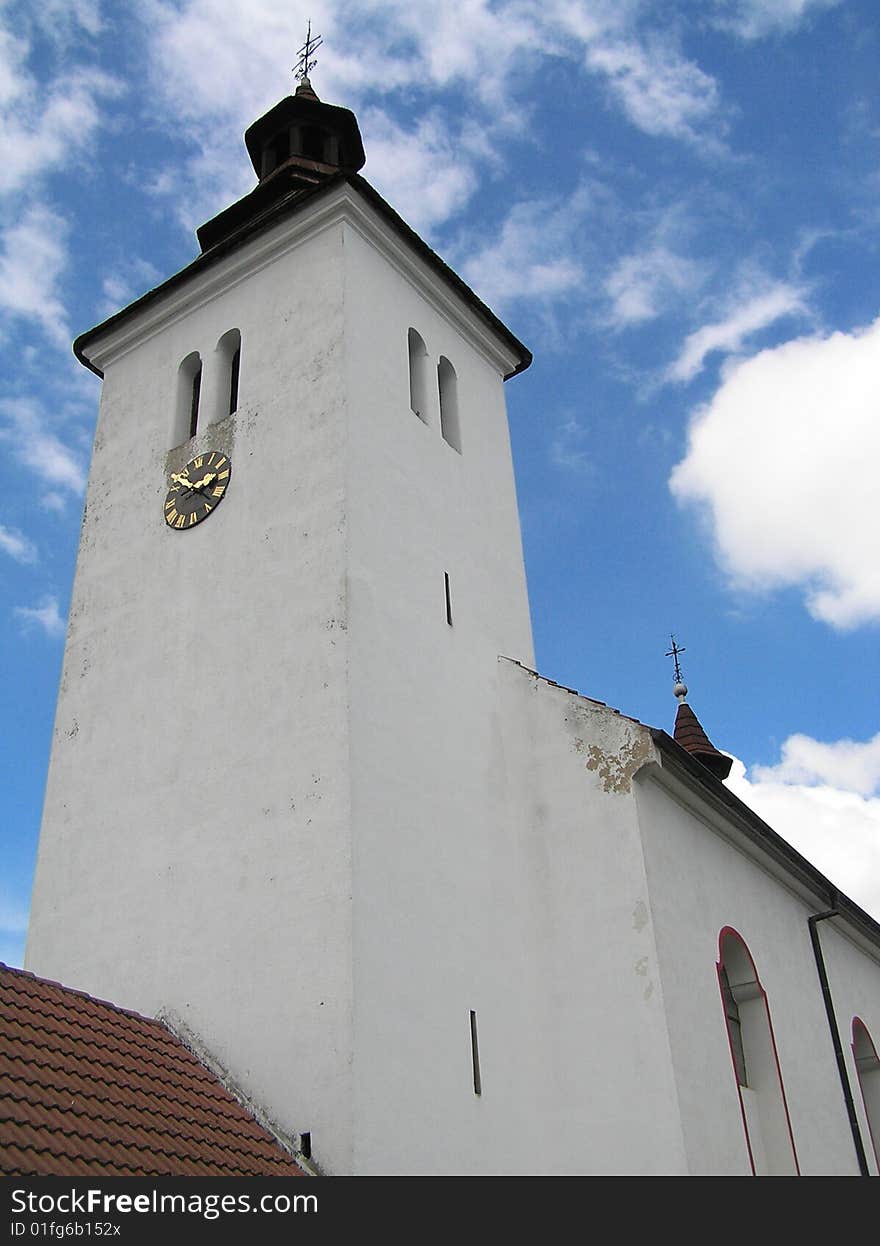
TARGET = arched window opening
x,y
734,1028
868,1070
755,1060
313,143
276,151
418,375
447,383
228,353
189,389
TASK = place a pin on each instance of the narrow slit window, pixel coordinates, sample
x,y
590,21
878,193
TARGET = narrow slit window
x,y
448,598
194,402
227,370
233,379
418,375
734,1029
475,1055
447,384
186,409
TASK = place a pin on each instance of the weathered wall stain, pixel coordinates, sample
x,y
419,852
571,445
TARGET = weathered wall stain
x,y
616,769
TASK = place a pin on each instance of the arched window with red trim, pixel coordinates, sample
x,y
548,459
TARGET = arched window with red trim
x,y
755,1060
868,1070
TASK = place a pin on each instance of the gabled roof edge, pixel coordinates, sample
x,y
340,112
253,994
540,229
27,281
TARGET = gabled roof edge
x,y
770,841
285,206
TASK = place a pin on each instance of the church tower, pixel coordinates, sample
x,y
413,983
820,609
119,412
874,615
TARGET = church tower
x,y
271,773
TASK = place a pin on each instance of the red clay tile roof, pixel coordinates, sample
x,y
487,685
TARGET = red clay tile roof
x,y
691,736
87,1088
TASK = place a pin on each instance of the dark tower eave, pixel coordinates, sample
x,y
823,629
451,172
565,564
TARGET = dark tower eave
x,y
278,209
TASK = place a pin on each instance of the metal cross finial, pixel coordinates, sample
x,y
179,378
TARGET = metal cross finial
x,y
673,653
306,61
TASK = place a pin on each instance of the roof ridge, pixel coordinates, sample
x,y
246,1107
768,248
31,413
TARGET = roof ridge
x,y
26,975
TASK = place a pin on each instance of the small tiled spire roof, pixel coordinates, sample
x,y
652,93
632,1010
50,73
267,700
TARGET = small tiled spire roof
x,y
87,1088
691,736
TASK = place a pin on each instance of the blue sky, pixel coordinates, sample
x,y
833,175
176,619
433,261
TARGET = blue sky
x,y
676,206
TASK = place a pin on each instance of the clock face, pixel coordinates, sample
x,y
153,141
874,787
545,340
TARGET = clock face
x,y
197,490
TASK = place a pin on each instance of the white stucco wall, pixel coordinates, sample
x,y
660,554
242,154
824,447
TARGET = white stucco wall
x,y
195,851
701,881
291,807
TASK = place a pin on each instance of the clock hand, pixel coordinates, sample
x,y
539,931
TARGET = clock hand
x,y
205,480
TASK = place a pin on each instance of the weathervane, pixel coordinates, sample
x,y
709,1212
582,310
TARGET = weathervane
x,y
305,60
673,653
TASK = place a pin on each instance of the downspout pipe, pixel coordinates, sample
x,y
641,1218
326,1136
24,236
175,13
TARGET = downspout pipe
x,y
835,1038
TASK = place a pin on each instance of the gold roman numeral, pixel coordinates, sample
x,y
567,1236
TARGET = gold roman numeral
x,y
192,519
223,475
171,515
218,492
180,521
199,461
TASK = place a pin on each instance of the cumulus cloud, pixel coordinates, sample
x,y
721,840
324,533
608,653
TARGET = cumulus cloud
x,y
420,171
48,124
535,254
128,280
846,764
757,312
214,68
17,545
33,257
833,826
45,616
783,460
641,286
39,449
660,91
754,19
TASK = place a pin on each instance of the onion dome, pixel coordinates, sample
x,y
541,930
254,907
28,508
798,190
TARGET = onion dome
x,y
294,147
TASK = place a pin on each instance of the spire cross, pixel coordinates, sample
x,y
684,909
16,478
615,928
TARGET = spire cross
x,y
673,653
305,60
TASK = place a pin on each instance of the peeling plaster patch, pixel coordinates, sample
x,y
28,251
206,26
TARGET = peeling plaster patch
x,y
616,770
640,916
641,966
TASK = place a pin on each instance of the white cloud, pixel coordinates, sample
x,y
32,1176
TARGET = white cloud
x,y
660,91
33,258
753,19
215,67
40,450
127,282
17,545
420,171
757,312
642,285
49,124
845,764
836,829
534,255
784,461
568,449
45,615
